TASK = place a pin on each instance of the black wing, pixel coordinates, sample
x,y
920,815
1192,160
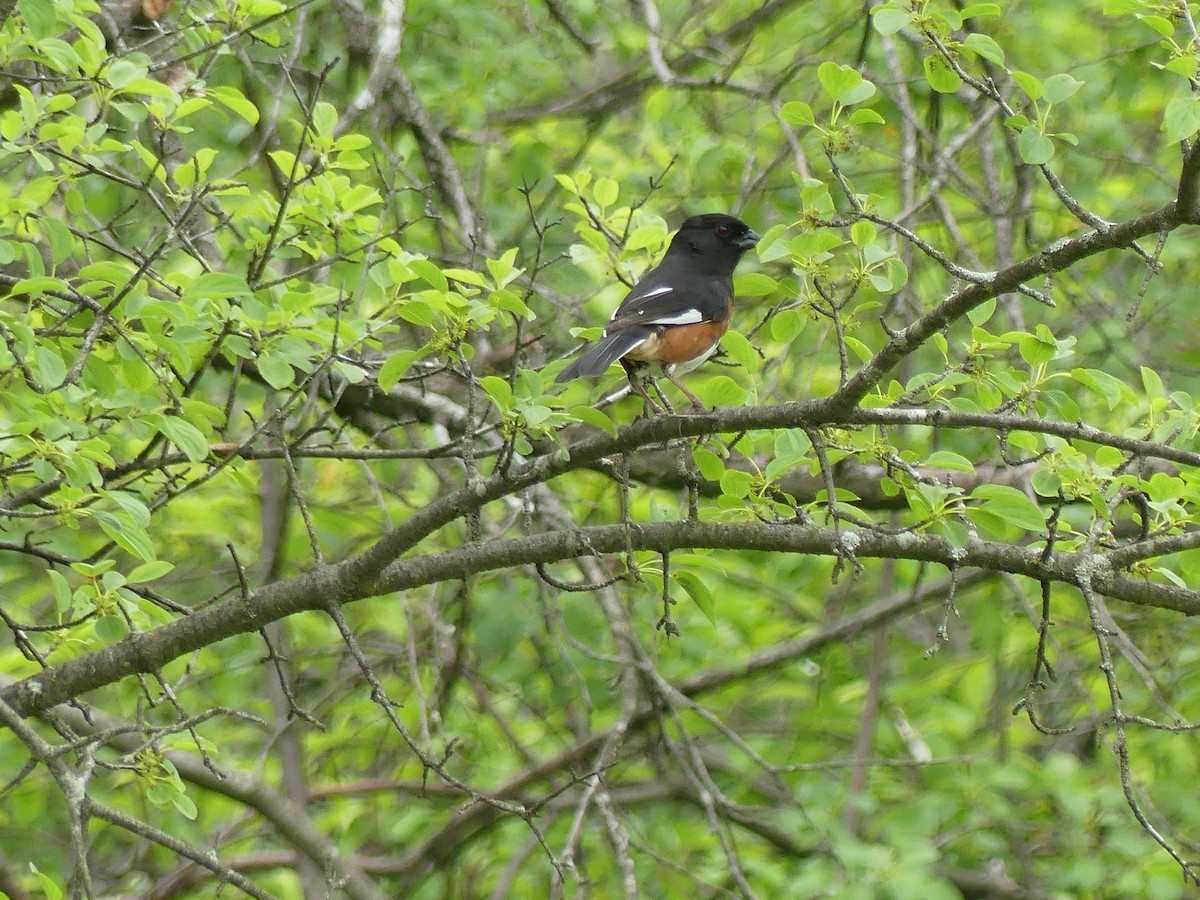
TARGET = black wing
x,y
659,299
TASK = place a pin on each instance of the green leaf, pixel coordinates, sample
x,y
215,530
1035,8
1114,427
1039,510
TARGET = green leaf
x,y
467,276
797,113
754,284
1011,505
503,270
186,436
1151,383
396,366
645,237
49,888
123,73
1030,84
982,312
1046,483
711,466
864,90
432,275
234,100
184,804
947,459
889,20
62,591
838,80
131,505
980,9
605,192
127,535
722,390
62,241
740,350
1058,88
215,285
940,75
862,233
149,571
1181,119
787,324
111,629
593,416
39,18
1107,386
1035,350
866,117
510,302
736,483
1160,24
36,286
417,311
1035,148
499,390
51,370
897,273
1186,66
695,587
324,117
275,370
984,46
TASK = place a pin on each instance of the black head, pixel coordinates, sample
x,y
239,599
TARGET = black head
x,y
714,240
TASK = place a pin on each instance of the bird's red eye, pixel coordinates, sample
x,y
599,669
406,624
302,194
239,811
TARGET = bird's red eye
x,y
722,231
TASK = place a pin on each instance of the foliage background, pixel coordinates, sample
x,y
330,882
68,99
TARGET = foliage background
x,y
295,522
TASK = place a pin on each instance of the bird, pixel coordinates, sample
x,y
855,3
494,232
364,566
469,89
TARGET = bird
x,y
676,314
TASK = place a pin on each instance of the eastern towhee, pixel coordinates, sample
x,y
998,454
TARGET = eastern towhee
x,y
676,314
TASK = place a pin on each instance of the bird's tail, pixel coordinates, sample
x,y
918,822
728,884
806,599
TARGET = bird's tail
x,y
597,359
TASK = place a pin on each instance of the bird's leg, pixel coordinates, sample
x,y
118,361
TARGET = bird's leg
x,y
697,403
635,382
661,396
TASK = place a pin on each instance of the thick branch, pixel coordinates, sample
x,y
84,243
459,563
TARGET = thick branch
x,y
150,651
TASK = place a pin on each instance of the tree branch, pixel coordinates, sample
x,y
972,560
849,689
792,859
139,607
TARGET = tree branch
x,y
150,651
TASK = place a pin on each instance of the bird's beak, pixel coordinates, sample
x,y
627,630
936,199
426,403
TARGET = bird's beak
x,y
748,240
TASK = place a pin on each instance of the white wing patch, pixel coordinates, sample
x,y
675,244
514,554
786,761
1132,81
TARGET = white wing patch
x,y
689,316
657,292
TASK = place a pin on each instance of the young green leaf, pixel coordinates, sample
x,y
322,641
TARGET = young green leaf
x,y
695,588
838,80
395,367
941,75
723,391
1182,117
1035,148
711,466
186,436
499,390
605,192
889,20
797,113
593,416
947,459
984,46
1030,84
1058,88
149,571
1010,505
